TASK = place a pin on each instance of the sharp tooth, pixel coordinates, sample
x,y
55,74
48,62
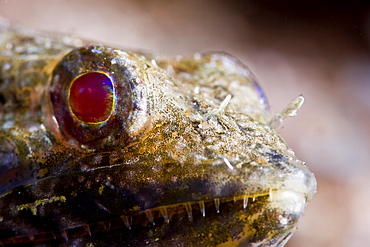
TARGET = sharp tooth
x,y
217,204
164,214
245,201
87,229
64,234
150,216
254,198
271,194
103,225
189,210
126,221
202,208
235,199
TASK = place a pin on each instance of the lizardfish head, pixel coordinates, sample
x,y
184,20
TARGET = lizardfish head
x,y
135,151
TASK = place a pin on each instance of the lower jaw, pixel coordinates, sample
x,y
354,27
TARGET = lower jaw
x,y
251,220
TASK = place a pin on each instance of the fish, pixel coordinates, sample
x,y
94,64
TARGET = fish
x,y
101,146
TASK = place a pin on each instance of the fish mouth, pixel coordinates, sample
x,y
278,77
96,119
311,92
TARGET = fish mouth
x,y
283,207
174,205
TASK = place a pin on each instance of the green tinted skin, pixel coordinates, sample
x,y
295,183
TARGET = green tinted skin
x,y
178,162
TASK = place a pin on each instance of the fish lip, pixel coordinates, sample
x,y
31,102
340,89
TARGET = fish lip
x,y
248,179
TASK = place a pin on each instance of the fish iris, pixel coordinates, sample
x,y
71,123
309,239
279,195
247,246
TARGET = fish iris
x,y
91,97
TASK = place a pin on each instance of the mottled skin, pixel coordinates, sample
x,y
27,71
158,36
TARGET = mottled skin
x,y
176,164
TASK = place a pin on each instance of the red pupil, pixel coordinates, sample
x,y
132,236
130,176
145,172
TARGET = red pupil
x,y
91,97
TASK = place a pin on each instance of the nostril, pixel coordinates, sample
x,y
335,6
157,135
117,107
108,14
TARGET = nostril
x,y
2,99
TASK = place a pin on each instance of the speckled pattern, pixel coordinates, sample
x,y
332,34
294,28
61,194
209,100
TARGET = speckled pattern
x,y
186,134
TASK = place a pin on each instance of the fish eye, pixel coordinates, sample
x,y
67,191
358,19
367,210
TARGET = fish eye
x,y
92,97
98,97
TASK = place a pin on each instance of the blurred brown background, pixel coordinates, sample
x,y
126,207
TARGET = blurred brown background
x,y
320,49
